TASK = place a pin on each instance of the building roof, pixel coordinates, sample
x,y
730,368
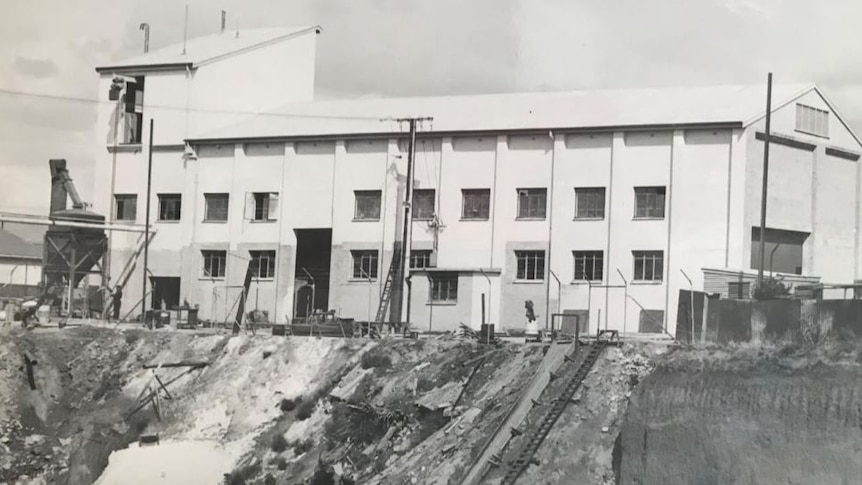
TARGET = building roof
x,y
12,246
206,49
738,105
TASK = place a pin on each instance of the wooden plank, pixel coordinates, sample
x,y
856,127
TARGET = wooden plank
x,y
177,364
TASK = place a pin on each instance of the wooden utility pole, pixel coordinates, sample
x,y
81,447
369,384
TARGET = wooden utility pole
x,y
765,179
407,232
147,229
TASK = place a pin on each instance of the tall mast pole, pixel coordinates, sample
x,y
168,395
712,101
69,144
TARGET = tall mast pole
x,y
147,228
765,178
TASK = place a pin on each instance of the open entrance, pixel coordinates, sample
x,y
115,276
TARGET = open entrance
x,y
166,292
311,283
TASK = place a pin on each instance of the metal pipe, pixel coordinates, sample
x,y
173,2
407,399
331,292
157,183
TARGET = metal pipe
x,y
147,226
691,304
489,293
625,298
771,254
146,28
60,222
765,179
559,290
313,287
550,203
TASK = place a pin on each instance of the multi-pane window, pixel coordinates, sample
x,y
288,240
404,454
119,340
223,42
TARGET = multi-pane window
x,y
532,203
261,206
812,120
263,264
477,204
444,287
589,265
125,207
649,202
216,207
170,206
590,203
214,263
420,259
531,265
649,265
423,204
367,205
364,264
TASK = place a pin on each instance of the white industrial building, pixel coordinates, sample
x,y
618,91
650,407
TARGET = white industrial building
x,y
603,204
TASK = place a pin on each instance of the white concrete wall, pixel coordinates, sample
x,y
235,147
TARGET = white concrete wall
x,y
807,191
20,272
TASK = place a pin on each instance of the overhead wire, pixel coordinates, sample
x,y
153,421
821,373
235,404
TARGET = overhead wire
x,y
9,92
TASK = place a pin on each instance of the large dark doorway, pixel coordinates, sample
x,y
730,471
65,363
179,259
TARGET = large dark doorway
x,y
166,289
313,256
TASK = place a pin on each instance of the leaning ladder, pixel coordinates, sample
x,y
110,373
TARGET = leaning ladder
x,y
537,435
386,295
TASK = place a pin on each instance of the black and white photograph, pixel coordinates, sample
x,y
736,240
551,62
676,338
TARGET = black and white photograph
x,y
430,242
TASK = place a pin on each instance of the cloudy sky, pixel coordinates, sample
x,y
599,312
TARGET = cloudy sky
x,y
414,47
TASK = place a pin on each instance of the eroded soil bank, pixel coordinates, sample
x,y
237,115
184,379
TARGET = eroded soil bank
x,y
747,415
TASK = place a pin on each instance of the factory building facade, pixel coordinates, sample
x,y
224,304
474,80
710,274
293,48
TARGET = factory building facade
x,y
597,204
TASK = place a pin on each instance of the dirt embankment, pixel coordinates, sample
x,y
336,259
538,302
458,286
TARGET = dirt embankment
x,y
747,415
268,410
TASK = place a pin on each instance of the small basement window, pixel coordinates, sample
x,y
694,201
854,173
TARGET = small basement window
x,y
531,265
364,264
214,263
649,265
263,264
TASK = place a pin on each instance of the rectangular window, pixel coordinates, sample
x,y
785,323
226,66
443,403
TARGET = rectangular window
x,y
738,290
133,112
812,120
532,203
477,204
649,265
649,202
216,207
590,203
263,264
423,204
261,206
420,259
589,265
531,265
170,207
444,287
364,264
367,205
125,207
214,263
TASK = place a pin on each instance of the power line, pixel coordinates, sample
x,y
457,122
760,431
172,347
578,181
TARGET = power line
x,y
75,99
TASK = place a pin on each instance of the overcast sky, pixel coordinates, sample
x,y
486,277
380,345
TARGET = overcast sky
x,y
415,47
